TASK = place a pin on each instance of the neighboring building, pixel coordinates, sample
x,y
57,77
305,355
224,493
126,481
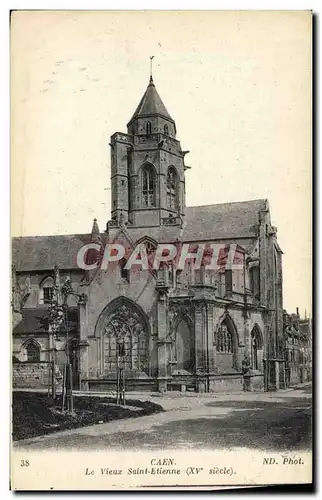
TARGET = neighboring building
x,y
297,349
193,330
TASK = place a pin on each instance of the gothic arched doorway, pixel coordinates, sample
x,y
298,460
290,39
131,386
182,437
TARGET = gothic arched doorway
x,y
125,335
184,346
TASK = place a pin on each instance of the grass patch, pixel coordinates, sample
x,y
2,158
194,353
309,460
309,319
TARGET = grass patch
x,y
35,414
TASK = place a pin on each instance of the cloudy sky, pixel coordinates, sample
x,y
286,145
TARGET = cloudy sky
x,y
236,83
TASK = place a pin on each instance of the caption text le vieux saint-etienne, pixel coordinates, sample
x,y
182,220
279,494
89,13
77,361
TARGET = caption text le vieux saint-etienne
x,y
168,466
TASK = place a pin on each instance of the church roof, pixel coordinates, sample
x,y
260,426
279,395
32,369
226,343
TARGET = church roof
x,y
35,320
235,221
224,220
42,253
150,104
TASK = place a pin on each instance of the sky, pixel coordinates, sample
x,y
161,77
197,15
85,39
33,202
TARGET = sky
x,y
238,85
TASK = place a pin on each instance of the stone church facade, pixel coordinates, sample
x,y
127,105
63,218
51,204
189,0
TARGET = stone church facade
x,y
193,329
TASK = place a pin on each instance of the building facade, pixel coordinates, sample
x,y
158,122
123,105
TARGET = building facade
x,y
297,349
192,329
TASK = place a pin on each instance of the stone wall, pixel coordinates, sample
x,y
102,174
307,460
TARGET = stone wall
x,y
34,375
228,383
30,375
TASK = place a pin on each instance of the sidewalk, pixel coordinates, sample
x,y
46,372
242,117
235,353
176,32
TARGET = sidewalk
x,y
178,395
183,401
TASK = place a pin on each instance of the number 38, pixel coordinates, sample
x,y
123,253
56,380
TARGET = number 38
x,y
24,463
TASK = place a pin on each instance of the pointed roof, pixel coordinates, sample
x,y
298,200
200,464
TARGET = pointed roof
x,y
95,236
150,104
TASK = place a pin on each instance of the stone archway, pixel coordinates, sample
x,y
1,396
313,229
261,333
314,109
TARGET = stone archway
x,y
184,346
124,332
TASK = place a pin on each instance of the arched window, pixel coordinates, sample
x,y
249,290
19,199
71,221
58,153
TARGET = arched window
x,y
254,280
256,348
172,188
46,290
224,341
148,128
166,129
33,351
126,336
148,186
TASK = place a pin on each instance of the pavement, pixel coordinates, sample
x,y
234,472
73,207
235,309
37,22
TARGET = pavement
x,y
276,421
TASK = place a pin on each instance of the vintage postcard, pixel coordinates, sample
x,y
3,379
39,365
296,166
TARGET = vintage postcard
x,y
161,249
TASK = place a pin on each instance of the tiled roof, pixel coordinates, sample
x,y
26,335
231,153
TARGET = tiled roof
x,y
224,220
43,252
151,104
208,222
34,320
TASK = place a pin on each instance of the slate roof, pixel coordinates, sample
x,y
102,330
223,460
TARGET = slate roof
x,y
224,220
42,252
207,222
151,104
34,320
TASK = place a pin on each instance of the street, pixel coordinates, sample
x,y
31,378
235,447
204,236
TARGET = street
x,y
278,421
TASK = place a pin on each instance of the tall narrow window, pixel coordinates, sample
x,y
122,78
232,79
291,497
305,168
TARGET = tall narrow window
x,y
256,347
166,129
148,186
46,290
125,273
172,189
148,128
254,280
228,281
48,294
224,342
33,351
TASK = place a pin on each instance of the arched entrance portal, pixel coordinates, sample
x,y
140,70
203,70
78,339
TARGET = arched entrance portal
x,y
125,335
185,352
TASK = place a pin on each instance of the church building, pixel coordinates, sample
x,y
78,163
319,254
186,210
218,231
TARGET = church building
x,y
190,329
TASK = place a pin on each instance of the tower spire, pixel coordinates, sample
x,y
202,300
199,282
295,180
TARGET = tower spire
x,y
95,236
151,77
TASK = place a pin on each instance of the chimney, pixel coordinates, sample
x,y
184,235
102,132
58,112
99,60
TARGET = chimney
x,y
297,312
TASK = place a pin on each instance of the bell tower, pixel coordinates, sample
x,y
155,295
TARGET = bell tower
x,y
147,167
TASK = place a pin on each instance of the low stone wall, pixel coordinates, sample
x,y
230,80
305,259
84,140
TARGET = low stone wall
x,y
27,375
226,383
101,385
253,381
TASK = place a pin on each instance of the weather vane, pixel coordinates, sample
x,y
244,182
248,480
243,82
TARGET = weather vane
x,y
151,57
